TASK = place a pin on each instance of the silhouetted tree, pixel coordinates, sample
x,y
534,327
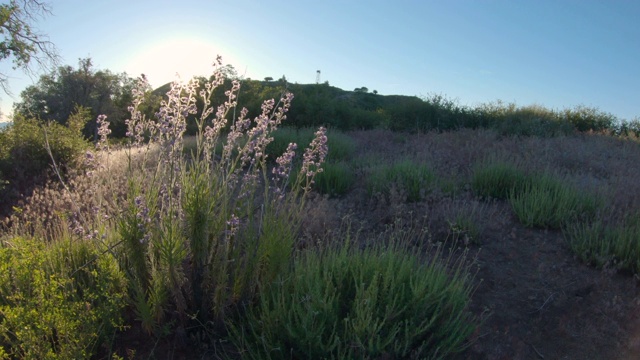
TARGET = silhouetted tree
x,y
20,40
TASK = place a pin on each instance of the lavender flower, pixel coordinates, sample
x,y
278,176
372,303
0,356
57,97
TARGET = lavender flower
x,y
103,132
285,160
314,157
142,215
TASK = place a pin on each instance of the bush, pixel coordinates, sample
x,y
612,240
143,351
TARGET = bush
x,y
607,245
342,303
24,152
414,180
341,146
285,136
497,179
548,202
204,236
335,179
585,118
58,301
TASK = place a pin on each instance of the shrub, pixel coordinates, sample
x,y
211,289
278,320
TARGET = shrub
x,y
497,179
284,136
204,236
336,178
465,223
343,303
549,202
25,160
57,301
607,245
29,143
340,145
585,118
415,180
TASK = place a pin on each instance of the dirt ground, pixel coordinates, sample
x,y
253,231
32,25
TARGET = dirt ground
x,y
537,301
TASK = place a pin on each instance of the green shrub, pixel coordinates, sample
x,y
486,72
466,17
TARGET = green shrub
x,y
335,179
342,303
25,155
341,146
497,179
585,118
465,224
201,237
282,137
601,244
415,180
57,301
548,202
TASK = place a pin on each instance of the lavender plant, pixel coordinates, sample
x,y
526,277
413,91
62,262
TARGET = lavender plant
x,y
203,234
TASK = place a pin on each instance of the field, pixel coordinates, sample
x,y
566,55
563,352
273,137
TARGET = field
x,y
534,296
460,244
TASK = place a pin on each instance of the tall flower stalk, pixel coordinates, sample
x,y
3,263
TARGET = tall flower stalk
x,y
204,232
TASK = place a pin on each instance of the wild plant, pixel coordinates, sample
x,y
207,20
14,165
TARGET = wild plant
x,y
549,202
59,301
343,302
496,179
206,233
336,179
415,180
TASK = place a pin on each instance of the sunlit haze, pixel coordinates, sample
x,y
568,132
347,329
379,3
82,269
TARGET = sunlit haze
x,y
553,53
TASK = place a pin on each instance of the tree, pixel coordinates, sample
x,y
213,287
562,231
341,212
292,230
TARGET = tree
x,y
21,42
56,95
268,78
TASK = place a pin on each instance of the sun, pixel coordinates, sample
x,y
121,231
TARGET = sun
x,y
165,59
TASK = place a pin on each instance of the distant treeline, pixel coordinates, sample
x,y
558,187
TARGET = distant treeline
x,y
70,90
322,104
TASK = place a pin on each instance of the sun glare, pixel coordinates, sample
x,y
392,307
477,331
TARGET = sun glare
x,y
184,56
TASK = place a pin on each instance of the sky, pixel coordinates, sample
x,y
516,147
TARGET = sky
x,y
554,53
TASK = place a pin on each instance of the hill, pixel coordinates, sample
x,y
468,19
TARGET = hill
x,y
325,105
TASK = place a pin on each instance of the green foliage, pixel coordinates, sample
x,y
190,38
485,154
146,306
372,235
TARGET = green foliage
x,y
465,224
336,178
204,234
585,118
341,146
58,301
530,120
344,303
79,118
56,95
25,143
412,179
20,40
539,200
548,202
497,179
286,135
607,245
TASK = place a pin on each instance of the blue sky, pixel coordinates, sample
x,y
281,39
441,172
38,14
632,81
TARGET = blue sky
x,y
558,54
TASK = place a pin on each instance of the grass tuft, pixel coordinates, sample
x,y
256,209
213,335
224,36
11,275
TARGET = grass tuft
x,y
415,180
548,202
345,303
